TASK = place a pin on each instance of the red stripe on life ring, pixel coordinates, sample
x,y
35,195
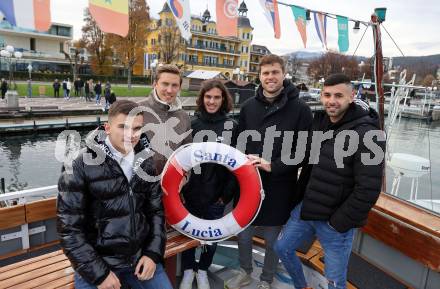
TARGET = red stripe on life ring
x,y
174,209
250,196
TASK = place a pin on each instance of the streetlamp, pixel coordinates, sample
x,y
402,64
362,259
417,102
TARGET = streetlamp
x,y
153,70
9,53
29,68
321,82
236,72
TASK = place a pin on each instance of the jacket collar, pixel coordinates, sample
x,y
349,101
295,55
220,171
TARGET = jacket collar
x,y
161,105
96,142
289,92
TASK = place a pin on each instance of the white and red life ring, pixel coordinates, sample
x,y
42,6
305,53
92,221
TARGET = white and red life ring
x,y
246,210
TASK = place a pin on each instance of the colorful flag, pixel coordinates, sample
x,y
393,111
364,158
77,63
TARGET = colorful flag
x,y
300,20
227,17
110,15
343,33
182,13
29,14
270,8
321,27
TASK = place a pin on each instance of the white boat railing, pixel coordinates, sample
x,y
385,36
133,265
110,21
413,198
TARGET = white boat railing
x,y
22,197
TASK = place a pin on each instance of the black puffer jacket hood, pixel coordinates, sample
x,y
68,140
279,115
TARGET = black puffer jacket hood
x,y
358,113
105,221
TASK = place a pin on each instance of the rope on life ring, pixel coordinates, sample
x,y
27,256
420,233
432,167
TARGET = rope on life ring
x,y
247,208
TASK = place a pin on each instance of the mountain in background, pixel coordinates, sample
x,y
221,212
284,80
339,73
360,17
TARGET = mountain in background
x,y
406,61
304,55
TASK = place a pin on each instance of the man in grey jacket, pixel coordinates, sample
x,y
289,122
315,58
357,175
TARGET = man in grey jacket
x,y
166,124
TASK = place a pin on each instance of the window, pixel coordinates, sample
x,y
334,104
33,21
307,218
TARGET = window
x,y
64,31
61,47
32,44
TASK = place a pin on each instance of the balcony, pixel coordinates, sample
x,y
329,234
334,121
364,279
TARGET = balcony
x,y
210,64
221,50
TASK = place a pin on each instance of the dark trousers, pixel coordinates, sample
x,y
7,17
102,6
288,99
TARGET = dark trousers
x,y
56,92
212,212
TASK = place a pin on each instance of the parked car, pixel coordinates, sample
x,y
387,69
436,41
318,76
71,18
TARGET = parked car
x,y
315,93
304,95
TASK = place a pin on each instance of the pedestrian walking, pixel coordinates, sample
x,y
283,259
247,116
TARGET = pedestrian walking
x,y
98,92
56,88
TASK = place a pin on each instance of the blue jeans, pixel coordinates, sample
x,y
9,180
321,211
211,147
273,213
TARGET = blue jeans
x,y
337,249
126,277
98,99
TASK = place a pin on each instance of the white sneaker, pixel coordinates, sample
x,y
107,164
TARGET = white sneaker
x,y
202,280
263,285
187,280
240,280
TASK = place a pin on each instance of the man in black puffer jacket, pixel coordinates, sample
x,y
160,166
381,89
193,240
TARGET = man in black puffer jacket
x,y
110,217
340,185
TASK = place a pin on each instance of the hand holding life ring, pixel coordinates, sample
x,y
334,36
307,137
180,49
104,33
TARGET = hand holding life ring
x,y
251,192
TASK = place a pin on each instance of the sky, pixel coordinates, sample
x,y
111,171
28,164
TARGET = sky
x,y
414,25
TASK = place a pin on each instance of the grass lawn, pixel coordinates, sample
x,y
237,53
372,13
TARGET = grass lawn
x,y
120,91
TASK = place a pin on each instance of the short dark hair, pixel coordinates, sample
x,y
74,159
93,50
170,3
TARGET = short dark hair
x,y
271,59
167,68
122,106
337,78
226,97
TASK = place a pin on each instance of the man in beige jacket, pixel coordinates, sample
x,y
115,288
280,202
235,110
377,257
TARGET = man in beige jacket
x,y
167,125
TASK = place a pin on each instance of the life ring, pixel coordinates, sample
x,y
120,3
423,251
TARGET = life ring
x,y
247,208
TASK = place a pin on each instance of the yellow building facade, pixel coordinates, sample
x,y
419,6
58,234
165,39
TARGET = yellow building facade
x,y
206,50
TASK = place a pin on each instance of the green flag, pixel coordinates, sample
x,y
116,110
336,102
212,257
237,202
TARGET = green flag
x,y
343,33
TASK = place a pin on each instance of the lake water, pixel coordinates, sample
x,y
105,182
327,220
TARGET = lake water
x,y
28,161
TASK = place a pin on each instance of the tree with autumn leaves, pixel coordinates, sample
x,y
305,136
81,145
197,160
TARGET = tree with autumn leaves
x,y
333,62
129,50
95,41
107,50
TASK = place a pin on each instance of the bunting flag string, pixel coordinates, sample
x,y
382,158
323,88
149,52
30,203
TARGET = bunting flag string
x,y
270,8
299,14
182,13
321,27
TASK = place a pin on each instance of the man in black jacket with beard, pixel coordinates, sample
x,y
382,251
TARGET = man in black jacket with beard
x,y
267,131
341,183
110,217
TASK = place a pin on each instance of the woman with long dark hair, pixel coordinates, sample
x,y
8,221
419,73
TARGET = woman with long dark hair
x,y
213,186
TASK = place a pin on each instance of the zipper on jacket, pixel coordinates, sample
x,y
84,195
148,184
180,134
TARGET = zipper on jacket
x,y
132,215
